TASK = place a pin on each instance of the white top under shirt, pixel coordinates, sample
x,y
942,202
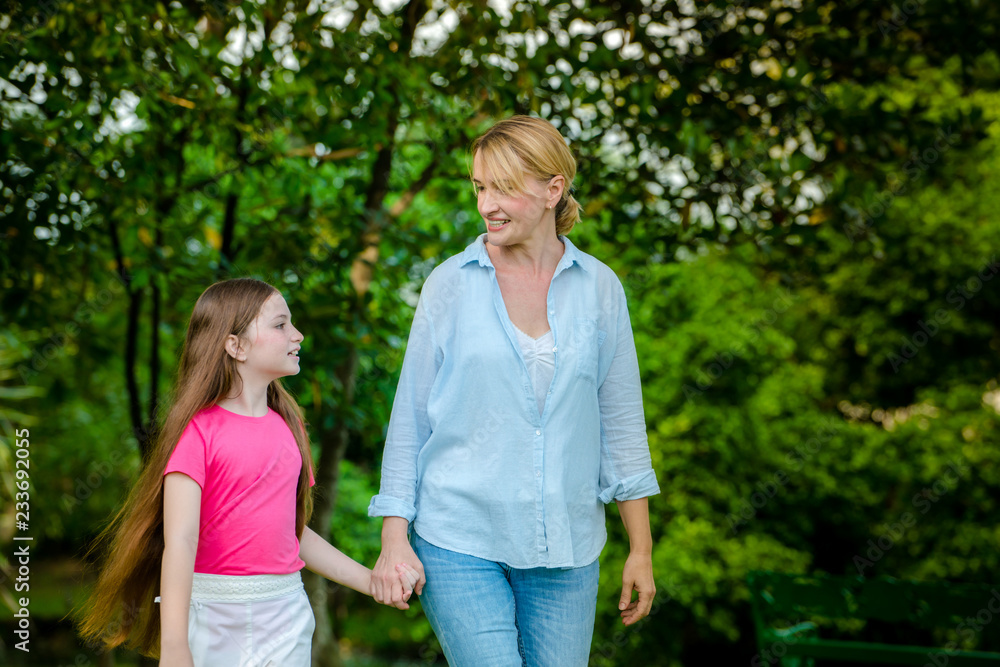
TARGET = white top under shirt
x,y
540,358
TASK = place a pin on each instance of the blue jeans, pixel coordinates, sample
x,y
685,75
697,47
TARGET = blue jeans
x,y
487,614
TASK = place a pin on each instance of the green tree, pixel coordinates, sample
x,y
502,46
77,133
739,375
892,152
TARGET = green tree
x,y
154,147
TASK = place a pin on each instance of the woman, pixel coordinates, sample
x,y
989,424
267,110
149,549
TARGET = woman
x,y
518,415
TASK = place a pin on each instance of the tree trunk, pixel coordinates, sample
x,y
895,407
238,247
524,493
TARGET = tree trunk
x,y
333,444
332,449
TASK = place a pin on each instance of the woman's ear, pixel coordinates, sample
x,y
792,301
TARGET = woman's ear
x,y
554,191
234,349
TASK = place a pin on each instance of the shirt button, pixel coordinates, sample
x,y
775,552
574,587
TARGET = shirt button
x,y
538,473
538,432
554,349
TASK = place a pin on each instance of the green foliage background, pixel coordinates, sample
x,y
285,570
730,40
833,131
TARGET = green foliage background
x,y
799,197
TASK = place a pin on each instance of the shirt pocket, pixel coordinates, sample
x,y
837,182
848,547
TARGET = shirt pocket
x,y
586,343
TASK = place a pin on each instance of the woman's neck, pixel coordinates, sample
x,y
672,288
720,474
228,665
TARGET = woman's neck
x,y
533,256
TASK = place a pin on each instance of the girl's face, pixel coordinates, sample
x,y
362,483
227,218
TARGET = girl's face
x,y
274,343
514,219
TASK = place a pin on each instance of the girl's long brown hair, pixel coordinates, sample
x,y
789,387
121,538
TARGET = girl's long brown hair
x,y
121,607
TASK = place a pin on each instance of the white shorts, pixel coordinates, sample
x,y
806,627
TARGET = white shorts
x,y
261,620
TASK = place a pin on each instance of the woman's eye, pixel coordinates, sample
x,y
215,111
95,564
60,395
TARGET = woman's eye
x,y
281,326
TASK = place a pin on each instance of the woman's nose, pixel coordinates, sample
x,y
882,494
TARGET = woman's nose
x,y
487,204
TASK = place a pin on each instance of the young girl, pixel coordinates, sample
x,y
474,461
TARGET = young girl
x,y
216,523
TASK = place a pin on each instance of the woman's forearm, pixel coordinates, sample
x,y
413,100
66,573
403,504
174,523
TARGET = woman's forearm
x,y
394,530
635,516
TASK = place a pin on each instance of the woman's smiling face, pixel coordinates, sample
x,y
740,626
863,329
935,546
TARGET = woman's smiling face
x,y
513,218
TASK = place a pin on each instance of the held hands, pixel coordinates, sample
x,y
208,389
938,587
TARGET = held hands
x,y
408,577
638,576
396,575
398,593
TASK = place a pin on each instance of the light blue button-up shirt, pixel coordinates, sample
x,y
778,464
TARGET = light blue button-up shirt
x,y
469,459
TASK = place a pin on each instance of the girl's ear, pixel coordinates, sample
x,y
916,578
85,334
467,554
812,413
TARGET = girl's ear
x,y
234,349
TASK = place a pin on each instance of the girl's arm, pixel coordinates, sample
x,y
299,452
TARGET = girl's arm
x,y
181,519
325,559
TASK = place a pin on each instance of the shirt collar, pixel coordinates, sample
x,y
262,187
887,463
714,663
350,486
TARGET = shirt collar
x,y
476,252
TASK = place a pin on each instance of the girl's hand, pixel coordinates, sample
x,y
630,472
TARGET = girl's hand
x,y
387,582
408,577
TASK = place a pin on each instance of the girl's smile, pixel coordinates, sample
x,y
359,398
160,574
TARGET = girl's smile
x,y
273,341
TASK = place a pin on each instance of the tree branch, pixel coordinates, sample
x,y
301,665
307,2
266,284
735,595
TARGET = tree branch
x,y
227,250
131,338
407,197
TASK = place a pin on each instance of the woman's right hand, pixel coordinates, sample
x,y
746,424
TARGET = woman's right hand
x,y
387,583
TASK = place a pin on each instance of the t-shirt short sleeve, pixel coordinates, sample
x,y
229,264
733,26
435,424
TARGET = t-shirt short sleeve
x,y
312,480
189,455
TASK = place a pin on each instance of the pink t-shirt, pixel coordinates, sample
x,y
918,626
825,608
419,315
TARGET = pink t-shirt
x,y
248,469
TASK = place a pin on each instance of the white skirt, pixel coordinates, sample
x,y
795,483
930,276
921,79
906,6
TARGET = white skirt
x,y
261,620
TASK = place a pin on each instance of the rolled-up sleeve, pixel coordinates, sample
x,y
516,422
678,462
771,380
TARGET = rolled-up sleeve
x,y
409,426
626,468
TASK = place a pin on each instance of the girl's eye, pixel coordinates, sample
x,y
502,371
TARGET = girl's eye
x,y
281,326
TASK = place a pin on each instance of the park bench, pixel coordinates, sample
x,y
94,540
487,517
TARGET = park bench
x,y
971,611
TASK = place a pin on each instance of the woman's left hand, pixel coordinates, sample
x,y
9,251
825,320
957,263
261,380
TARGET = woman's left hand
x,y
637,576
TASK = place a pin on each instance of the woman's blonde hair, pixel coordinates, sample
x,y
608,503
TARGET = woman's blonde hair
x,y
121,607
522,144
